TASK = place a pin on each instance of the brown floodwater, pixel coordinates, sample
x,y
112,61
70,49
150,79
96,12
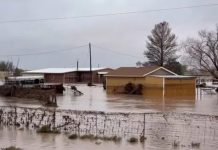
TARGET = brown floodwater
x,y
95,98
29,139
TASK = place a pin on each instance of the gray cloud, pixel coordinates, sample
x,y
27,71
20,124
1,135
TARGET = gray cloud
x,y
122,33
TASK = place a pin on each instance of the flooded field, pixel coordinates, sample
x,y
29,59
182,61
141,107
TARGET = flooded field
x,y
184,126
28,139
95,98
159,130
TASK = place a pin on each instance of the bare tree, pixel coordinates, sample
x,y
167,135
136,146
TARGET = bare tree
x,y
139,64
203,52
161,45
6,66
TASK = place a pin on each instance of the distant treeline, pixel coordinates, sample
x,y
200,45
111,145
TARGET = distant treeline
x,y
8,66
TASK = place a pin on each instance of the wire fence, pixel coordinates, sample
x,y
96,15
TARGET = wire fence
x,y
170,126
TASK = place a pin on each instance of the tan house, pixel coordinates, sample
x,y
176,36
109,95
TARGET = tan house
x,y
156,82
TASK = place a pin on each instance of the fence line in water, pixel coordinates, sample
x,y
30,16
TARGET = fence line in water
x,y
158,125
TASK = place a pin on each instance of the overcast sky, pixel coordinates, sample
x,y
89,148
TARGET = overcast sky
x,y
122,36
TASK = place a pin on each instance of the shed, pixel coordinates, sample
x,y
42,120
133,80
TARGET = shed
x,y
156,82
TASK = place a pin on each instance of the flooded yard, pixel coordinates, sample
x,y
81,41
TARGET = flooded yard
x,y
162,131
28,139
184,126
95,98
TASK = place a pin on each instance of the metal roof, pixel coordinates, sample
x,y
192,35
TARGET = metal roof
x,y
172,76
59,70
136,71
102,72
18,78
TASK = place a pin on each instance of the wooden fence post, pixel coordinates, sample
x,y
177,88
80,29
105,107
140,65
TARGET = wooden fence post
x,y
96,124
15,115
144,127
54,119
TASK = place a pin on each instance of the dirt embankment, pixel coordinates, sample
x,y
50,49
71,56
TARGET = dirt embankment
x,y
34,93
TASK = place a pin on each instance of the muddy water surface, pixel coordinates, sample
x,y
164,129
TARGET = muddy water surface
x,y
28,139
95,98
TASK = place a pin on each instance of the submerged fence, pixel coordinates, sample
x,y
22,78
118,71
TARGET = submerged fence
x,y
154,126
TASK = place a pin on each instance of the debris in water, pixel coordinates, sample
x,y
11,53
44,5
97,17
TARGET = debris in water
x,y
76,92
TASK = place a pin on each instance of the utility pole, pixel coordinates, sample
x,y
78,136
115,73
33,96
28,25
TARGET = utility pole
x,y
90,58
77,65
18,61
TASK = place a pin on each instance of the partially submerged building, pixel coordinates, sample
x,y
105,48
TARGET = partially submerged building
x,y
69,75
204,78
156,82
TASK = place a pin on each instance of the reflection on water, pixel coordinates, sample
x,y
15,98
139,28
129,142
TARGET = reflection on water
x,y
95,98
28,139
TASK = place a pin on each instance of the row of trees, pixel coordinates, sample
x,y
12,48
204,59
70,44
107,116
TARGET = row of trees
x,y
162,48
8,66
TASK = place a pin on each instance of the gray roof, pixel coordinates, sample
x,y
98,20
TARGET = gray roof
x,y
59,70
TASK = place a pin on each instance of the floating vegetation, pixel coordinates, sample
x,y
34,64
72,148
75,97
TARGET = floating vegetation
x,y
89,136
44,129
112,138
11,148
195,144
133,140
175,144
73,136
93,137
47,129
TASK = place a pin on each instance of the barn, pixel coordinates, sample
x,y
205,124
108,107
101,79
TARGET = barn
x,y
155,81
69,75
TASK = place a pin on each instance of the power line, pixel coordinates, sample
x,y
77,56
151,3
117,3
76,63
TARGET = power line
x,y
116,52
67,50
43,53
110,14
